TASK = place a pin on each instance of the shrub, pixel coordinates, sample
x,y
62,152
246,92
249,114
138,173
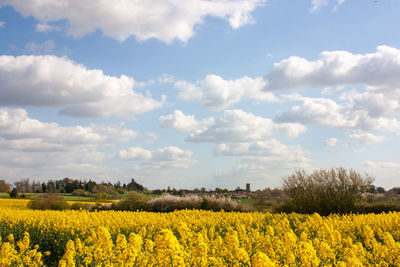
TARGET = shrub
x,y
323,191
48,202
133,201
81,192
14,193
168,203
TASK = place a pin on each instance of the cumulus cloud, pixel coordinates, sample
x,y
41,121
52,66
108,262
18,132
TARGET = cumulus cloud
x,y
376,108
246,137
337,68
322,111
166,157
270,151
261,161
216,93
331,142
19,131
59,82
367,138
355,115
45,27
32,148
184,123
165,20
235,126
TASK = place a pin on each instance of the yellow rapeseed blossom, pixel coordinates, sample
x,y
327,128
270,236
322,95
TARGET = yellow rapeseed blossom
x,y
195,238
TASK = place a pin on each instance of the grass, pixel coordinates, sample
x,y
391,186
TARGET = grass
x,y
67,197
70,197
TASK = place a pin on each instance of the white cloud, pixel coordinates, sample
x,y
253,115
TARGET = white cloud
x,y
18,131
166,157
367,138
46,47
216,93
376,104
361,113
165,20
2,24
45,27
336,68
236,126
32,148
246,137
262,161
316,5
57,81
331,142
376,108
184,123
270,151
314,110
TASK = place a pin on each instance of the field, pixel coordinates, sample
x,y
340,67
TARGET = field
x,y
197,238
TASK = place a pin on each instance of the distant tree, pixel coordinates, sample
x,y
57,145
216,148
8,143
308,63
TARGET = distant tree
x,y
371,189
90,185
4,187
133,185
117,185
44,188
395,190
51,187
36,187
380,190
23,186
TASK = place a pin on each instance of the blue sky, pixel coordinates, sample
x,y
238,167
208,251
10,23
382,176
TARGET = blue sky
x,y
199,93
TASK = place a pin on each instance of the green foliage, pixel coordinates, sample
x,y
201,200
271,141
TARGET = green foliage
x,y
132,202
14,193
323,191
133,185
48,202
81,193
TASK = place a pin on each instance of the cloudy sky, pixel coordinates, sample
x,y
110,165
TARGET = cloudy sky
x,y
199,93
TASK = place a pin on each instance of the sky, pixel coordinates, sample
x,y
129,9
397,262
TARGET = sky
x,y
199,93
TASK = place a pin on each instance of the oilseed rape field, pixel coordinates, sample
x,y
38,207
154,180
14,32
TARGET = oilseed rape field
x,y
194,238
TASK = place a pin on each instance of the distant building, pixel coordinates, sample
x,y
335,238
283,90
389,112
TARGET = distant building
x,y
248,187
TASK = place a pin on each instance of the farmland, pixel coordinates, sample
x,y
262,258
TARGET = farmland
x,y
193,237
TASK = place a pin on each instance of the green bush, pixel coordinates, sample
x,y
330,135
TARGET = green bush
x,y
132,202
81,192
323,191
14,193
48,202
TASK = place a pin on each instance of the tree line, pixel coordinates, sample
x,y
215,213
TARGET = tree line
x,y
68,185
